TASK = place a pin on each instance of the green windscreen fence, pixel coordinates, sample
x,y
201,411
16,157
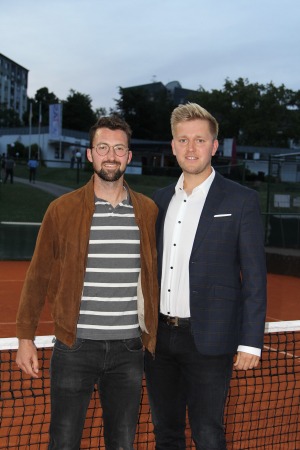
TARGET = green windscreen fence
x,y
17,240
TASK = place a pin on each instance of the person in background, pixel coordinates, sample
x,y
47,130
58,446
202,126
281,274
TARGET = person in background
x,y
9,169
3,166
212,277
33,164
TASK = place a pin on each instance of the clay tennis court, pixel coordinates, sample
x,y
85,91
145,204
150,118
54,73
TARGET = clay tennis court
x,y
25,404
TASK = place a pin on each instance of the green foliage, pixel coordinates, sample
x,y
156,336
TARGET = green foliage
x,y
148,115
46,98
255,114
34,149
20,148
8,117
77,112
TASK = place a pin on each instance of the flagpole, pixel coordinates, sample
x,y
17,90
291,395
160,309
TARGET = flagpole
x,y
61,113
30,118
40,121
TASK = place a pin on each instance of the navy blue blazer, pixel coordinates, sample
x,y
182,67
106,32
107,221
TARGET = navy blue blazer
x,y
227,268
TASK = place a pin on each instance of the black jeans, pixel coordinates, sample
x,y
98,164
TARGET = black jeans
x,y
32,171
117,368
9,173
179,376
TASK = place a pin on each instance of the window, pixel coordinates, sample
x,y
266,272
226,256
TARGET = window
x,y
56,154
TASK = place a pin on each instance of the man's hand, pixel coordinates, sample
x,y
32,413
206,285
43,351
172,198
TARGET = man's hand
x,y
245,361
27,358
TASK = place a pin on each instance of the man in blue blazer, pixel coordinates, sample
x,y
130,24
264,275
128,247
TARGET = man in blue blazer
x,y
212,277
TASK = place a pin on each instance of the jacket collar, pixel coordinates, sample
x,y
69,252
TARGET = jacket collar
x,y
90,197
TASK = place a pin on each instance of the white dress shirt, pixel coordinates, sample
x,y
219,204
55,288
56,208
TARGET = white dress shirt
x,y
180,228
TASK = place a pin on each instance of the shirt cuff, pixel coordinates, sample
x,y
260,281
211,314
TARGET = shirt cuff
x,y
252,350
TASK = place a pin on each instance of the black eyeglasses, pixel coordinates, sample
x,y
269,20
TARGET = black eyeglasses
x,y
103,149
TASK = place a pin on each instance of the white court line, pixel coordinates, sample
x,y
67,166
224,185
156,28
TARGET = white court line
x,y
273,318
283,353
22,223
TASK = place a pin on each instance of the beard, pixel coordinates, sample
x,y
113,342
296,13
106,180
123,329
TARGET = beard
x,y
109,175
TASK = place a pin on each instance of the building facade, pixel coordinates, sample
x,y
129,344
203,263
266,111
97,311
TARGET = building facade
x,y
13,85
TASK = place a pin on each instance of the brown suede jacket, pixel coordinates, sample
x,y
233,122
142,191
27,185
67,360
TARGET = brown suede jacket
x,y
58,266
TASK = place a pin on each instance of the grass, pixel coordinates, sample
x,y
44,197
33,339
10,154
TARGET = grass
x,y
26,203
146,184
22,203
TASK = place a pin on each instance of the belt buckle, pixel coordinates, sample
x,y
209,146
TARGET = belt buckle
x,y
169,320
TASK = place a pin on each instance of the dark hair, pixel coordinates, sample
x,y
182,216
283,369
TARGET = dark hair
x,y
112,123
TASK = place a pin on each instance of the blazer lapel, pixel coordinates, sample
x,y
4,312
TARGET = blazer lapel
x,y
213,200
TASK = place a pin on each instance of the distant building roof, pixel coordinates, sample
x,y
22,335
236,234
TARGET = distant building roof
x,y
177,92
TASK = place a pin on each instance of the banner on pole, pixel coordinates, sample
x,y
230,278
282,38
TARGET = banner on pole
x,y
55,120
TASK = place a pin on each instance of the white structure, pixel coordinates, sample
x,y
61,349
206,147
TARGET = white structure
x,y
56,152
13,85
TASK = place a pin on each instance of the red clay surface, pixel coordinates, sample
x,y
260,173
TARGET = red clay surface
x,y
257,406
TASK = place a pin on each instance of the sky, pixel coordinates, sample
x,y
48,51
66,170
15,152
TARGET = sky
x,y
95,46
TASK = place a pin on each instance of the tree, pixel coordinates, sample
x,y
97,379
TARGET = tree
x,y
100,112
77,112
147,114
255,114
46,98
9,117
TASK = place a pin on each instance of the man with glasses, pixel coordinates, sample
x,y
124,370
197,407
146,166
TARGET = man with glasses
x,y
95,259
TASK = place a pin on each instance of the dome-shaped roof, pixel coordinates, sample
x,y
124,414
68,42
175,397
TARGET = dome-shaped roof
x,y
172,85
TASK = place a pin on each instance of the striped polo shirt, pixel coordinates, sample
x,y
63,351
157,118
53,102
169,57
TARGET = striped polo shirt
x,y
108,309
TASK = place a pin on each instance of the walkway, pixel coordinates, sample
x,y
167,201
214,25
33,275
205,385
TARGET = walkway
x,y
51,188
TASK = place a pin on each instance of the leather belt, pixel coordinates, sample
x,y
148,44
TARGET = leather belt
x,y
184,322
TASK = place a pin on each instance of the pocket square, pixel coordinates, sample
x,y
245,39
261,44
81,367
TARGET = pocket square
x,y
222,215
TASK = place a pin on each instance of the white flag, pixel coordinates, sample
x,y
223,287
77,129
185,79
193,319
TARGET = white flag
x,y
55,120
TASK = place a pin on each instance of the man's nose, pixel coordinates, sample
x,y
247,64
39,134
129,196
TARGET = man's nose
x,y
191,146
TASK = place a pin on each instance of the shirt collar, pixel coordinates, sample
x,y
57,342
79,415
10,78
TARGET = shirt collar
x,y
204,187
126,201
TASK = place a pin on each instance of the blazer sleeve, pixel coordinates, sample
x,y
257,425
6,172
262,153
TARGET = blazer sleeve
x,y
253,273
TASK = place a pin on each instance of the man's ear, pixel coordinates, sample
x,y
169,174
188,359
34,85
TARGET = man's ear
x,y
129,157
89,155
215,147
173,147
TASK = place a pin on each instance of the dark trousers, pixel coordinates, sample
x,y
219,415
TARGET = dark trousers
x,y
32,171
9,173
179,376
117,368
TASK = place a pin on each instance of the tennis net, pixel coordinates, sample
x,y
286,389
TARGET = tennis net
x,y
262,410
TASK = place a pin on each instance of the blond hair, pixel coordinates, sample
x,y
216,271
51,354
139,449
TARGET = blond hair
x,y
192,111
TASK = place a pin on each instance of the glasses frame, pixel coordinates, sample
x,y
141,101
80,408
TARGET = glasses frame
x,y
109,147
